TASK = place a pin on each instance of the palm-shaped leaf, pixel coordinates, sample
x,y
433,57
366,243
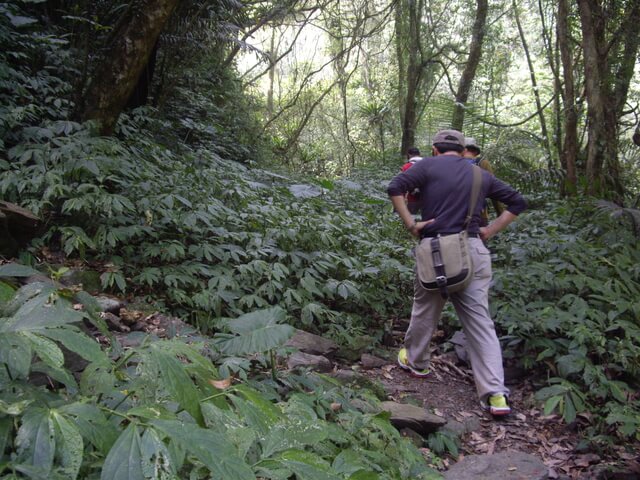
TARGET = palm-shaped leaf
x,y
256,332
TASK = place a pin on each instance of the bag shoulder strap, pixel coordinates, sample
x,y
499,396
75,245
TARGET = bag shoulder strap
x,y
473,198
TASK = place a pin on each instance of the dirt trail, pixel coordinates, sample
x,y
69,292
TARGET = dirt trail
x,y
450,392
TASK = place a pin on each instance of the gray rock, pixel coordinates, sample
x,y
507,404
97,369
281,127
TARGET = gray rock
x,y
313,344
369,361
415,418
108,304
505,466
313,362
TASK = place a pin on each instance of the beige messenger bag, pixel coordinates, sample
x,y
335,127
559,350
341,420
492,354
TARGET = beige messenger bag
x,y
443,262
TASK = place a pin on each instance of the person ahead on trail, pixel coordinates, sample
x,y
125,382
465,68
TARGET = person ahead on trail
x,y
445,182
412,199
472,153
413,156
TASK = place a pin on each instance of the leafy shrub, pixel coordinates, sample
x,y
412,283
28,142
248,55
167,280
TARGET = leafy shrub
x,y
159,410
566,286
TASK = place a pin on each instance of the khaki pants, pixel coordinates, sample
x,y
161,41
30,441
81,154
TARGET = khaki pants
x,y
472,307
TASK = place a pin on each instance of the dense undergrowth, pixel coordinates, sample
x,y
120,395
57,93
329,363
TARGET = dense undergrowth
x,y
193,232
565,295
176,225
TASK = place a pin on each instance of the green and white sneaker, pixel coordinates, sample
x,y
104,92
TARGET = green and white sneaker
x,y
497,405
403,361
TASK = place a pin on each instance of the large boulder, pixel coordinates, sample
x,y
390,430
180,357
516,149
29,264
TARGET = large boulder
x,y
505,466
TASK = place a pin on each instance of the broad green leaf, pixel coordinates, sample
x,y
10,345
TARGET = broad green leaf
x,y
125,457
551,404
97,378
364,475
6,294
6,428
92,425
14,409
572,363
349,462
257,331
77,342
258,319
157,459
177,382
26,293
16,353
268,410
569,410
47,350
292,434
69,446
210,447
307,465
36,439
17,270
547,392
229,424
41,312
58,374
151,412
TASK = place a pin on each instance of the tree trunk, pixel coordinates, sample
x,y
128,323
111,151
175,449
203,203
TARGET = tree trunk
x,y
413,77
609,61
116,76
140,94
469,72
534,86
272,73
570,143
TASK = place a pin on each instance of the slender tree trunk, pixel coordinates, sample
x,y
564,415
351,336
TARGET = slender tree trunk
x,y
570,143
272,72
469,72
400,43
117,75
413,77
553,58
534,85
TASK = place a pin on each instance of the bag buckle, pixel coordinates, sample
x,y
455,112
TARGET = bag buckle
x,y
441,281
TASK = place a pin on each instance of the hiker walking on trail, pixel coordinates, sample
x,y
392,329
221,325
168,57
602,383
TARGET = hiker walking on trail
x,y
472,152
445,181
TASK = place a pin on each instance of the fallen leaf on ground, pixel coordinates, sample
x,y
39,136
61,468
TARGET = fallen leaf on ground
x,y
221,384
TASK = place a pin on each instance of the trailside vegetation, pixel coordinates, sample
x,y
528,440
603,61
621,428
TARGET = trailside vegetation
x,y
245,253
